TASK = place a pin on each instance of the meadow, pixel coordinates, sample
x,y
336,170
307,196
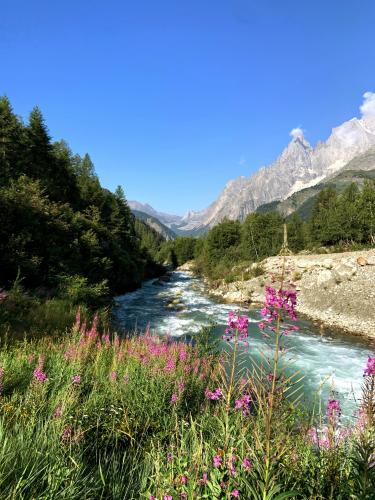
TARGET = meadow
x,y
91,415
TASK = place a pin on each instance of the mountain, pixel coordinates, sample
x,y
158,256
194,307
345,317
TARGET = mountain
x,y
166,219
300,166
357,170
155,223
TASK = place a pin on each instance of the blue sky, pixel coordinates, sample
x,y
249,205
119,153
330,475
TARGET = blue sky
x,y
173,98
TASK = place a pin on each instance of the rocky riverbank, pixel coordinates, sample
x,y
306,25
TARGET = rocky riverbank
x,y
337,291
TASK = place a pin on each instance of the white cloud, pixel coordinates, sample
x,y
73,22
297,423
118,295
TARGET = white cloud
x,y
296,133
242,161
368,105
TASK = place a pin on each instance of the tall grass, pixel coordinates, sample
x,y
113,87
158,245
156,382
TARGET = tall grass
x,y
91,416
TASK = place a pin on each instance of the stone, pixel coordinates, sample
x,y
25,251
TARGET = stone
x,y
325,278
362,261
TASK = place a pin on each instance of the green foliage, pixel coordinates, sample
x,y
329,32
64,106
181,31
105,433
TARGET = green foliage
x,y
262,235
56,219
342,222
178,251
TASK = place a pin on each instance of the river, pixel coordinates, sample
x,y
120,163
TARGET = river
x,y
327,362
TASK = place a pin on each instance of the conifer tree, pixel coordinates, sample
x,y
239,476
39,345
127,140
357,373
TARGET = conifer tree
x,y
11,143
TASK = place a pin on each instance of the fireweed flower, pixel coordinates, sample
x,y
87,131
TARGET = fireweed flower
x,y
217,461
278,302
169,457
168,497
237,324
174,399
76,379
203,481
235,493
370,368
246,463
243,404
39,375
183,479
333,409
58,412
67,434
214,396
113,376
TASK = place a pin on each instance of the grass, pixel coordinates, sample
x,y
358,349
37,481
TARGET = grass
x,y
89,416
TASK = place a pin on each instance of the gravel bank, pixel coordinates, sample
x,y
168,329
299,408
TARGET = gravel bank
x,y
335,290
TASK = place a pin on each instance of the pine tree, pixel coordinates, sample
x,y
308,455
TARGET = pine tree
x,y
366,211
11,143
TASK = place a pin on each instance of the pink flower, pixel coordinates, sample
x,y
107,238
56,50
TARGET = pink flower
x,y
67,434
235,493
58,412
180,386
246,463
113,376
76,379
370,367
183,479
174,399
236,324
39,375
215,395
217,461
333,408
168,497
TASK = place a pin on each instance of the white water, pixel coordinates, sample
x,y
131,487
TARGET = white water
x,y
335,361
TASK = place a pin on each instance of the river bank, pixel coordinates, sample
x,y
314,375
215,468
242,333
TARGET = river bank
x,y
335,291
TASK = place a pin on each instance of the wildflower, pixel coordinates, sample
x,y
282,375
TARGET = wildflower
x,y
333,408
203,481
235,493
217,460
276,303
169,457
183,495
215,395
180,386
168,497
370,367
39,375
246,463
236,325
174,399
183,479
243,404
76,379
113,376
170,366
58,412
67,434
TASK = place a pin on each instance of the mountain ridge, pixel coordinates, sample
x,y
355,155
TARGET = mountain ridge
x,y
297,167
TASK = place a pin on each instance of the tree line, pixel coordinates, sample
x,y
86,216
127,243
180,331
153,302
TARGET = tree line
x,y
344,221
58,225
